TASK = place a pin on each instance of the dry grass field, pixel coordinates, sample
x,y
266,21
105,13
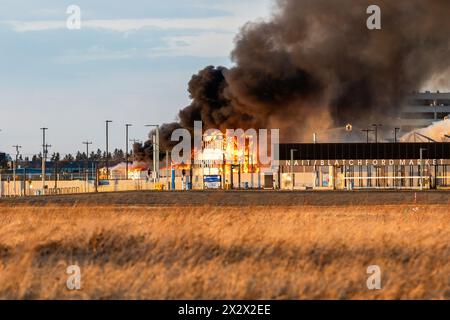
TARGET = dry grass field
x,y
217,252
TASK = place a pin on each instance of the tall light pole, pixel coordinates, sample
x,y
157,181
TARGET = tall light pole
x,y
17,147
44,156
155,141
127,126
292,167
396,130
376,131
107,122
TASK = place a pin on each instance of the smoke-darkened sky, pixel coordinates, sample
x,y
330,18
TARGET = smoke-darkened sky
x,y
315,65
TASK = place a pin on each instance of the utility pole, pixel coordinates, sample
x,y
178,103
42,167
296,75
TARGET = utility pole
x,y
367,131
87,143
17,147
44,157
46,153
56,171
107,122
155,164
396,130
126,150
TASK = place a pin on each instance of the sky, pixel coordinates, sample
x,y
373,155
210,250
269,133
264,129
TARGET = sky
x,y
130,62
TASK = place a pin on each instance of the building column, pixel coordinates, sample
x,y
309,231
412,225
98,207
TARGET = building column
x,y
331,171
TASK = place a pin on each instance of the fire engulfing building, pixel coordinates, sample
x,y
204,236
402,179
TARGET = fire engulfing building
x,y
327,166
223,163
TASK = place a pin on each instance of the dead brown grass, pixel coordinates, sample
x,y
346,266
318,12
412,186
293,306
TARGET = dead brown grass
x,y
225,252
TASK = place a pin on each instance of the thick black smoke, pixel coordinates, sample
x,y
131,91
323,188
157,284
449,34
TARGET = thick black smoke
x,y
315,65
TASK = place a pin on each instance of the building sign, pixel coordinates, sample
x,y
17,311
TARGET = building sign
x,y
367,162
212,182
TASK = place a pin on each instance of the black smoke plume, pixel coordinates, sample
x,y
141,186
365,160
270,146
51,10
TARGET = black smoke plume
x,y
315,65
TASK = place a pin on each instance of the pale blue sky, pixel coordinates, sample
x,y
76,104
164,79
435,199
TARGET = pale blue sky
x,y
130,62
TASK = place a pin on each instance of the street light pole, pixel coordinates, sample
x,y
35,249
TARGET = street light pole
x,y
107,148
127,126
155,151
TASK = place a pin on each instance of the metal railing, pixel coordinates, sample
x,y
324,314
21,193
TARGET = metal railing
x,y
54,191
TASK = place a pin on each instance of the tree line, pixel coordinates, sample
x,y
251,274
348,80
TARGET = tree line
x,y
117,156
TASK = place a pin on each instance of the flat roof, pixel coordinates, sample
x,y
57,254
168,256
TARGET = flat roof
x,y
360,151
